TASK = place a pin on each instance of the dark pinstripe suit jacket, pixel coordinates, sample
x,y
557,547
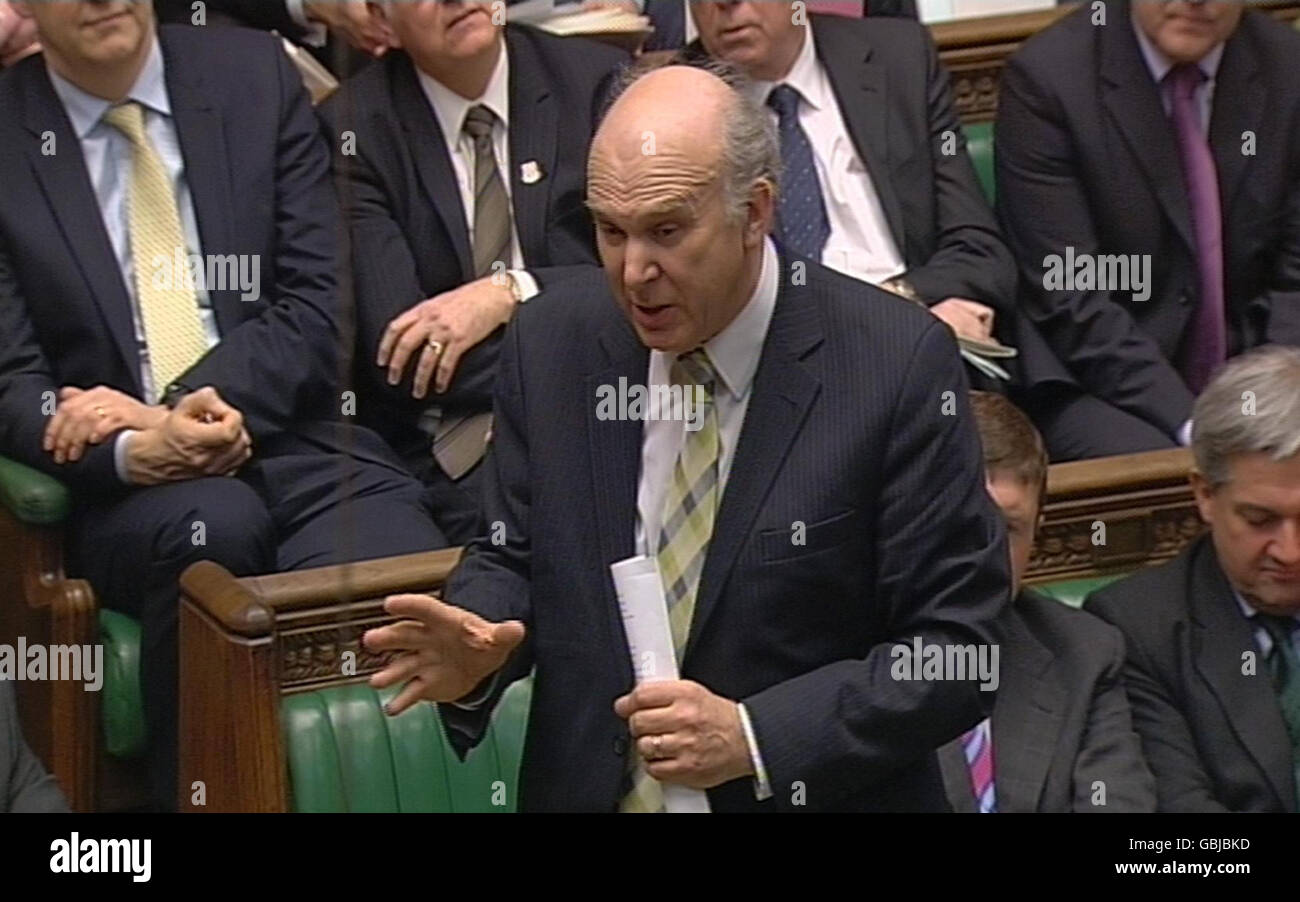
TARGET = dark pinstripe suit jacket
x,y
850,430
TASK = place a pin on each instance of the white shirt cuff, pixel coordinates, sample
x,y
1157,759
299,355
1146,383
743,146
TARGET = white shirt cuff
x,y
528,287
475,700
119,454
317,33
1185,434
762,788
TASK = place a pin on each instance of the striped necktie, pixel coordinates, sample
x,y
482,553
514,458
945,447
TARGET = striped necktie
x,y
169,310
1284,665
690,506
978,746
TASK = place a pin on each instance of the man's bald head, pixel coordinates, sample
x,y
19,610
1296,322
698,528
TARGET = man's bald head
x,y
681,182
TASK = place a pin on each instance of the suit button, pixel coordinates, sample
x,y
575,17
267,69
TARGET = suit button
x,y
620,745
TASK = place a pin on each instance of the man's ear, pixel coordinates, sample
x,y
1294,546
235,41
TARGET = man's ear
x,y
380,12
761,213
1203,492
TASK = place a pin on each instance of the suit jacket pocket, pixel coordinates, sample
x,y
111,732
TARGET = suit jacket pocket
x,y
801,540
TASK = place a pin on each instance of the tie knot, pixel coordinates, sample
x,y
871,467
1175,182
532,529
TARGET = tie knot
x,y
128,118
1185,78
1279,629
479,121
785,100
695,368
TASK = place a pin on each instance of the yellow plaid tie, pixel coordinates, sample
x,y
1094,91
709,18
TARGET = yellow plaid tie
x,y
690,506
173,329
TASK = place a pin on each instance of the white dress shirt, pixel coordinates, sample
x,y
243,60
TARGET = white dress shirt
x,y
108,157
451,109
735,353
861,243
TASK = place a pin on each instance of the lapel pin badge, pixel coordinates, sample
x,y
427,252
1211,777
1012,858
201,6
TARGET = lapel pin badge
x,y
531,172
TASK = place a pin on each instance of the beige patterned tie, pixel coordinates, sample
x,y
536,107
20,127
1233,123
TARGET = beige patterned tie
x,y
690,507
173,329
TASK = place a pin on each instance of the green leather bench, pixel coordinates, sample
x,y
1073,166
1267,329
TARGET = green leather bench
x,y
346,755
979,144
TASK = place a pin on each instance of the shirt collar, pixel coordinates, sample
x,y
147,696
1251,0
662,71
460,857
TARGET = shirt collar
x,y
86,110
735,351
805,76
450,108
1159,64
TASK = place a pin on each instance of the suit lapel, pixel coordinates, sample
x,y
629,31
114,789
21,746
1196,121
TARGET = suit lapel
x,y
533,120
432,163
861,86
956,777
1027,717
616,451
1133,99
1220,635
207,172
783,392
1238,108
66,184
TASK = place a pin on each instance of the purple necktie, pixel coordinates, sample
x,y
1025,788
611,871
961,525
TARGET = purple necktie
x,y
1207,345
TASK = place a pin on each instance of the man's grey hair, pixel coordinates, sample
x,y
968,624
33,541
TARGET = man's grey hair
x,y
751,151
1252,405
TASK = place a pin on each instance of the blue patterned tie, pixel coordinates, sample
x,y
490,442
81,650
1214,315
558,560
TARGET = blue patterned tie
x,y
802,223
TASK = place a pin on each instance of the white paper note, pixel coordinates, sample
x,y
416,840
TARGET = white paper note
x,y
650,639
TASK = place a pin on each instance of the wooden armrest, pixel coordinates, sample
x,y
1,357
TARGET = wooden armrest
x,y
1112,475
249,606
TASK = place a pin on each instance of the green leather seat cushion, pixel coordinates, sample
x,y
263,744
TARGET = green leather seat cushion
x,y
32,496
121,703
979,144
1075,592
345,754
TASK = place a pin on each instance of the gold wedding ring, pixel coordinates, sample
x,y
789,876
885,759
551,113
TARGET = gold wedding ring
x,y
100,412
436,347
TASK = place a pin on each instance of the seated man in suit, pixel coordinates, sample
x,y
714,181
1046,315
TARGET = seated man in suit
x,y
1149,185
25,787
818,512
674,28
1213,670
461,163
196,418
878,184
1061,738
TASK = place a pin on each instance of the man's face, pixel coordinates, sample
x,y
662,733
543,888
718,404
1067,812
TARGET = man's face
x,y
80,33
1186,31
443,30
674,260
1018,501
760,38
1254,520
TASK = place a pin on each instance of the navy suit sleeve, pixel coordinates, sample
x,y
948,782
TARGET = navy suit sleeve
x,y
1110,752
493,578
1182,783
285,364
941,575
1044,209
970,258
27,392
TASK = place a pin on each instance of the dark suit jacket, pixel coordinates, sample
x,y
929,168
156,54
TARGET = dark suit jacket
x,y
1087,158
669,19
897,104
268,15
1214,738
409,235
844,432
1061,720
259,176
25,787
